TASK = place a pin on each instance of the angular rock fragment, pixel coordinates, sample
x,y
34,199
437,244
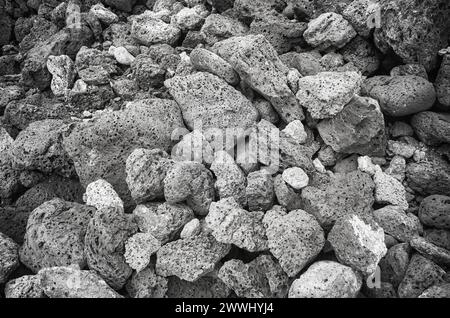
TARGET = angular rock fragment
x,y
162,220
208,286
148,29
358,128
295,238
261,278
209,101
62,69
9,260
326,94
329,30
101,194
285,195
200,254
389,190
260,191
346,193
437,254
55,235
207,61
146,170
100,148
138,250
220,27
104,244
258,64
397,223
394,264
27,286
191,182
326,279
230,180
231,224
147,284
358,242
70,282
421,274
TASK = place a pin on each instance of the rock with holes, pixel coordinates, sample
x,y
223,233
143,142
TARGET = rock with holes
x,y
437,291
442,82
148,29
95,67
389,190
146,170
326,94
432,128
208,286
413,29
231,224
101,194
219,27
55,235
103,14
230,179
100,147
191,182
260,191
434,211
193,147
71,282
437,254
162,220
138,250
420,275
345,193
261,278
329,30
358,128
358,242
208,100
27,286
327,279
39,147
9,257
394,264
258,64
397,223
295,238
207,61
286,196
200,254
105,239
400,95
62,69
295,177
147,284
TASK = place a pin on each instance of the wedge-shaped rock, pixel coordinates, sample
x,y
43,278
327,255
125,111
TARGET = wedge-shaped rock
x,y
326,94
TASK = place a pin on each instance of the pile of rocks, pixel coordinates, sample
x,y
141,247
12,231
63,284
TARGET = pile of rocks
x,y
238,148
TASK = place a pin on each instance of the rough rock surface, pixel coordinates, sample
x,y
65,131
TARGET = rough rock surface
x,y
10,257
55,235
295,238
258,64
326,94
358,242
200,254
231,224
358,128
326,279
397,223
346,193
105,240
71,282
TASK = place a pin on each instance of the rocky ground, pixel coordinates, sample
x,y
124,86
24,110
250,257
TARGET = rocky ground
x,y
224,148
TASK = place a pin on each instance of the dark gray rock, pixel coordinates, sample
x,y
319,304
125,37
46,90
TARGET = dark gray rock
x,y
432,128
